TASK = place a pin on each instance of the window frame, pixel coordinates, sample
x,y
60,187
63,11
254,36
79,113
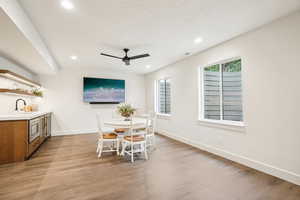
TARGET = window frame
x,y
157,96
201,94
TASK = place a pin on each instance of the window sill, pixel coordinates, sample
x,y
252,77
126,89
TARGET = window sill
x,y
228,125
163,116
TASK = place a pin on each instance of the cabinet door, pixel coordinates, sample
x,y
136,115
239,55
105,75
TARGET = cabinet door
x,y
34,145
13,141
48,125
43,129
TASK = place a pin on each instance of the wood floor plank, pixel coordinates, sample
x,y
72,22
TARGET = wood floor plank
x,y
66,167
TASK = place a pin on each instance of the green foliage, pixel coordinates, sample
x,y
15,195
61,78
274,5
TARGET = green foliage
x,y
126,110
234,66
213,68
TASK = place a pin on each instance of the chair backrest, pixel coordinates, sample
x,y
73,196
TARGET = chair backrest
x,y
132,129
151,123
99,124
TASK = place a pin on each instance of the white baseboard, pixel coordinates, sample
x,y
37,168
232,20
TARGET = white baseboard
x,y
260,166
73,132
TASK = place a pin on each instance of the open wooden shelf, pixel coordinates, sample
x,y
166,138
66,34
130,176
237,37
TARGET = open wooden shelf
x,y
9,91
18,78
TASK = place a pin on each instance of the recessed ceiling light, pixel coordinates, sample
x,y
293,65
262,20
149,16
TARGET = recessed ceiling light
x,y
198,40
148,66
73,57
67,4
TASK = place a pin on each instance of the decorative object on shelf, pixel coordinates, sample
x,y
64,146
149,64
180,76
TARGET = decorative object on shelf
x,y
126,110
37,92
19,85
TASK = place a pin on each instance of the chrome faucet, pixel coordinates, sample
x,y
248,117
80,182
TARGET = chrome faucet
x,y
17,109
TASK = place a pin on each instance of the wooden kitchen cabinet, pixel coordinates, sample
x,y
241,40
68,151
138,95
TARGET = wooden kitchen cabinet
x,y
15,142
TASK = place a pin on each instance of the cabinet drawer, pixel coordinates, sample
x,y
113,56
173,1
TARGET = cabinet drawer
x,y
33,145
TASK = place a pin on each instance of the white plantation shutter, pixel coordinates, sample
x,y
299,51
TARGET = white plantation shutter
x,y
232,91
222,91
211,77
164,96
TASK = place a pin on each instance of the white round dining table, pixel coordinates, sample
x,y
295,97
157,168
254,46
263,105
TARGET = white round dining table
x,y
121,123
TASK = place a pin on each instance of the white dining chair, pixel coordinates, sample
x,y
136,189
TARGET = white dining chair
x,y
106,136
149,131
136,143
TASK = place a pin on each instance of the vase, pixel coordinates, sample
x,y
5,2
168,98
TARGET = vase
x,y
127,119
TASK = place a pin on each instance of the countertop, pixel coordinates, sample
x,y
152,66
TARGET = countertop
x,y
21,116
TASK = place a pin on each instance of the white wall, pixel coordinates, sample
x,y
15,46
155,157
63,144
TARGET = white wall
x,y
7,102
64,96
270,68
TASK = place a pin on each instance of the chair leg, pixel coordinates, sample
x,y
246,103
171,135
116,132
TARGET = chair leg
x,y
123,148
132,160
117,147
100,149
153,141
112,146
150,142
147,141
145,151
97,150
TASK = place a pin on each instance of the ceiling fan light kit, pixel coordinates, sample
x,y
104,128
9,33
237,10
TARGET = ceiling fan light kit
x,y
126,59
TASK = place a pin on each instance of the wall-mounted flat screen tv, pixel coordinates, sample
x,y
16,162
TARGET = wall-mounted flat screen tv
x,y
101,90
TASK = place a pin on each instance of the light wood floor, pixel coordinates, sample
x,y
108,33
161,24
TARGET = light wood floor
x,y
67,168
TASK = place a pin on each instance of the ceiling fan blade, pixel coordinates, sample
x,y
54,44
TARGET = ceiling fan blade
x,y
104,54
139,56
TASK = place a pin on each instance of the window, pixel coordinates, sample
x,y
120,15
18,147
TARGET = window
x,y
222,91
164,96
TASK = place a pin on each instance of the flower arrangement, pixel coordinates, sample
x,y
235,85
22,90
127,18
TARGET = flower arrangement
x,y
125,110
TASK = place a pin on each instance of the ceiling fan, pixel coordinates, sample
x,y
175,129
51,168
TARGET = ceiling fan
x,y
126,59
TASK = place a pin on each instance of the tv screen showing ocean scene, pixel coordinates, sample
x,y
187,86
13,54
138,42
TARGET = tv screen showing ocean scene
x,y
100,90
